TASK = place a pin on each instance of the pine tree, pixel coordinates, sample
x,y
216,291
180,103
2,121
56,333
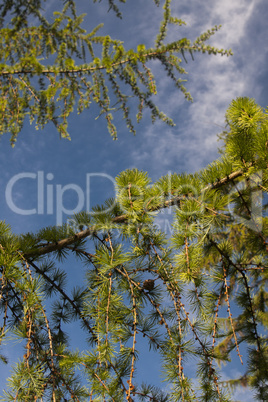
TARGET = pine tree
x,y
200,294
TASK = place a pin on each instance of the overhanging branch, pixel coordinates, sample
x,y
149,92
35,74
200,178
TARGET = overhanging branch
x,y
121,219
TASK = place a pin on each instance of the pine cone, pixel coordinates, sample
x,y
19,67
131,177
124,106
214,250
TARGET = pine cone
x,y
148,284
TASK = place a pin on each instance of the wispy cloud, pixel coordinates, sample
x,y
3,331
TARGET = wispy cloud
x,y
213,83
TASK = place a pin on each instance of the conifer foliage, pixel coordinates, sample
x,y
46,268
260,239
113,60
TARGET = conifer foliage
x,y
199,295
51,67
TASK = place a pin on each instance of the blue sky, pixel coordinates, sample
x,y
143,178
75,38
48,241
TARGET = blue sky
x,y
213,82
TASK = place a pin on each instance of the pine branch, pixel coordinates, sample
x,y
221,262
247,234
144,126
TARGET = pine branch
x,y
89,68
61,244
241,271
65,296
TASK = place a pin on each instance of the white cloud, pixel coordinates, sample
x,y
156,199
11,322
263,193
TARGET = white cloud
x,y
213,83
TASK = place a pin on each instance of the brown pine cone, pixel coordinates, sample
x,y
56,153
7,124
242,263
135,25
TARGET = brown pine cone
x,y
148,284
